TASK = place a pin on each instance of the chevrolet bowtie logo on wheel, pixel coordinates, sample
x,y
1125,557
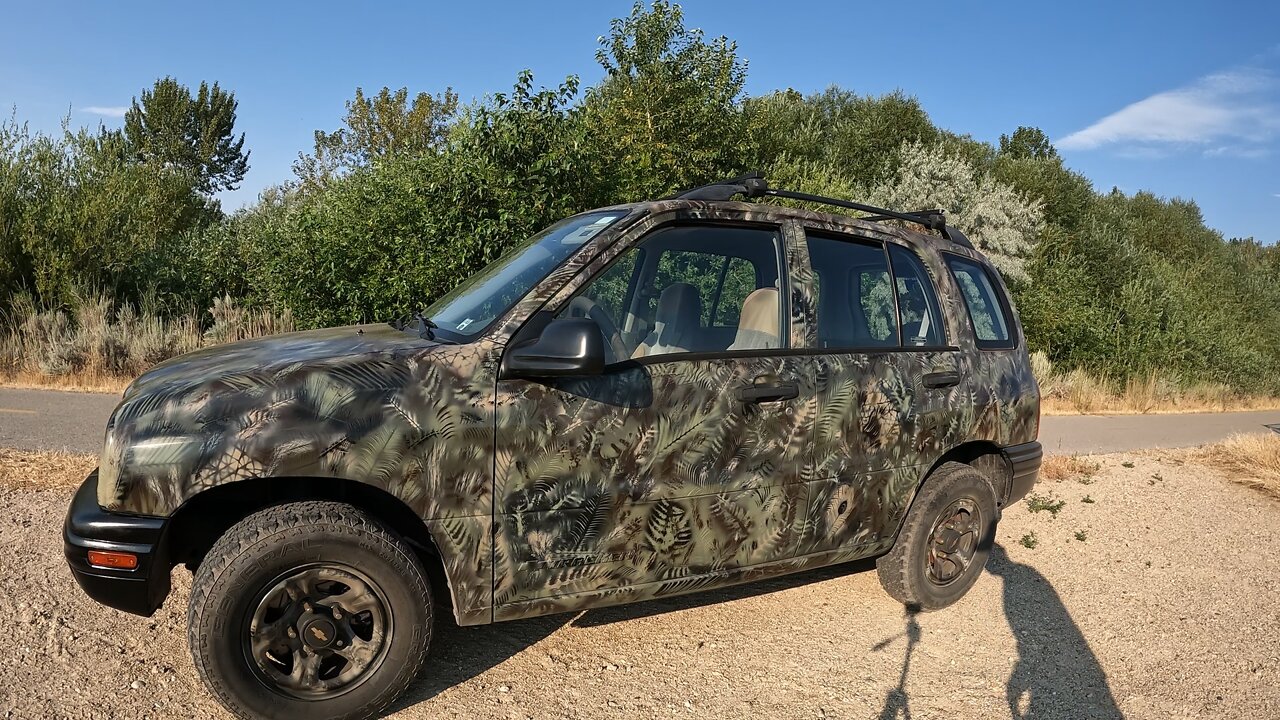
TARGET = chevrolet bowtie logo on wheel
x,y
319,634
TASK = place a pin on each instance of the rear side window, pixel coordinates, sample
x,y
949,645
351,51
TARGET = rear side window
x,y
985,303
917,303
855,295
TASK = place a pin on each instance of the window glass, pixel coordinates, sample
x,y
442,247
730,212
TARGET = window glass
x,y
855,297
982,299
877,306
696,289
476,302
612,287
917,302
739,281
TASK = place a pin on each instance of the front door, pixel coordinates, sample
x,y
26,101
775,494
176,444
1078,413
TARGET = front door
x,y
682,462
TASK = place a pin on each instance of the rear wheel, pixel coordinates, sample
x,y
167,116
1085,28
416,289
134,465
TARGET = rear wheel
x,y
944,542
310,609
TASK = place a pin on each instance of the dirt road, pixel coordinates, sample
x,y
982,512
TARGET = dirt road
x,y
1166,609
74,422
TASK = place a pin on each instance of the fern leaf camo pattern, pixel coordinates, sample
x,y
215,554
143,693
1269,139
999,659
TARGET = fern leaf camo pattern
x,y
650,480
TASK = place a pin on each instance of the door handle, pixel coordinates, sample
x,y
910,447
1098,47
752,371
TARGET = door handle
x,y
768,393
941,378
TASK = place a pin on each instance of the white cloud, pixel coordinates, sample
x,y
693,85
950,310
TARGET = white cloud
x,y
115,111
1235,111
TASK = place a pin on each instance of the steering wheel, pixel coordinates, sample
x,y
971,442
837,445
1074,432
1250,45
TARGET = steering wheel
x,y
583,306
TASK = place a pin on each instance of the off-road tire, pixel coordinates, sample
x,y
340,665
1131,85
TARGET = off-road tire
x,y
904,570
274,541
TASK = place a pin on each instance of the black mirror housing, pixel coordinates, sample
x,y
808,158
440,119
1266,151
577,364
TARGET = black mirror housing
x,y
566,347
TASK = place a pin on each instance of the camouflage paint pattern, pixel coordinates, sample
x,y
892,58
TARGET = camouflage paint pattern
x,y
650,480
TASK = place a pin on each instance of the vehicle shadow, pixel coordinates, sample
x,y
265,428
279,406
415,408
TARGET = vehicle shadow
x,y
461,653
1056,674
650,608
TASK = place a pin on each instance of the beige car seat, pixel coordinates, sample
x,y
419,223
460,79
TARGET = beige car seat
x,y
758,324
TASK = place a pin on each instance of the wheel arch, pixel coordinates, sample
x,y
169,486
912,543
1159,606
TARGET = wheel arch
x,y
197,524
984,456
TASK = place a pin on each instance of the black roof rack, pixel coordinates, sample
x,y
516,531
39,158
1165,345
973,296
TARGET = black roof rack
x,y
753,185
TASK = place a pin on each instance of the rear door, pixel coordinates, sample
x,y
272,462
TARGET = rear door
x,y
882,371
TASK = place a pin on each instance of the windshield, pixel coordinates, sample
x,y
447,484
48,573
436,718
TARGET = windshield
x,y
470,307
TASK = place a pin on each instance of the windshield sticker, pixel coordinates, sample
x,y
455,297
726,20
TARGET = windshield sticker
x,y
463,325
590,231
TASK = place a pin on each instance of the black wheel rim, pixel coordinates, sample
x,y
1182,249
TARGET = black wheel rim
x,y
317,631
953,543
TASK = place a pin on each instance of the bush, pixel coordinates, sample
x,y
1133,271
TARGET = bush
x,y
98,338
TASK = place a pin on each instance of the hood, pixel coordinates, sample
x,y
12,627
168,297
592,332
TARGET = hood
x,y
286,403
267,355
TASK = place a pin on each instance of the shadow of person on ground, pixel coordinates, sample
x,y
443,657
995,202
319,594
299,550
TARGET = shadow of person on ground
x,y
895,703
1056,675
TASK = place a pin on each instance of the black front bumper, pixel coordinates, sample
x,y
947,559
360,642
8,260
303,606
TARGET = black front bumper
x,y
1024,466
89,527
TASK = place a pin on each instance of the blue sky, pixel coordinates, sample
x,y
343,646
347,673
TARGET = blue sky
x,y
1175,97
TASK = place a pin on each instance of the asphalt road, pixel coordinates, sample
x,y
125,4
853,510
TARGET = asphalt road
x,y
74,422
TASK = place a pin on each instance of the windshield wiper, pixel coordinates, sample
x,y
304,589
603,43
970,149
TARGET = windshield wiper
x,y
419,324
425,325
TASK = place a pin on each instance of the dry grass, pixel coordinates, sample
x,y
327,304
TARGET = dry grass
x,y
99,346
68,383
1066,467
1249,459
1079,392
26,468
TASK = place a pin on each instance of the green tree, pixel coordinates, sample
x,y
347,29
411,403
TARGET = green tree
x,y
1027,142
384,125
666,116
169,127
1000,221
855,137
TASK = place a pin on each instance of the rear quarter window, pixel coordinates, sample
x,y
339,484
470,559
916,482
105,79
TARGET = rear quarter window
x,y
987,307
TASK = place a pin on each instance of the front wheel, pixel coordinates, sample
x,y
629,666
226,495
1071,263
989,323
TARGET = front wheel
x,y
944,542
310,609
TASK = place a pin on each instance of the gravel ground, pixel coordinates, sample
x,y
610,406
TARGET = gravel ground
x,y
1166,609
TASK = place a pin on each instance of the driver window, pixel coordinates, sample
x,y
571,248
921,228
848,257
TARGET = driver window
x,y
688,289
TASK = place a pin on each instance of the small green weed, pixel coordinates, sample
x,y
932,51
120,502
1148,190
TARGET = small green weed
x,y
1029,541
1037,502
1126,464
1081,535
1088,499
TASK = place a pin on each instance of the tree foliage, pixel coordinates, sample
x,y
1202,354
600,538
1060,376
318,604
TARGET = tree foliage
x,y
996,217
385,125
169,127
667,114
414,192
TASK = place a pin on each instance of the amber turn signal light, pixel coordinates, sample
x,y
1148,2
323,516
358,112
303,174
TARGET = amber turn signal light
x,y
114,560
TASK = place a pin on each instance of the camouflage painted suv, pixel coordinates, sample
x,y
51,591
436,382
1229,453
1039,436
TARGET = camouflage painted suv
x,y
638,402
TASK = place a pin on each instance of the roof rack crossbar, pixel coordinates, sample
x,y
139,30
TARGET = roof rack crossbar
x,y
933,222
753,185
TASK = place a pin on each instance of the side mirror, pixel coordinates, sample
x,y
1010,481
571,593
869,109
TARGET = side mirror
x,y
567,346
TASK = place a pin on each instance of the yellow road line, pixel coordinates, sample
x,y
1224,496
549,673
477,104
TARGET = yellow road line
x,y
17,412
